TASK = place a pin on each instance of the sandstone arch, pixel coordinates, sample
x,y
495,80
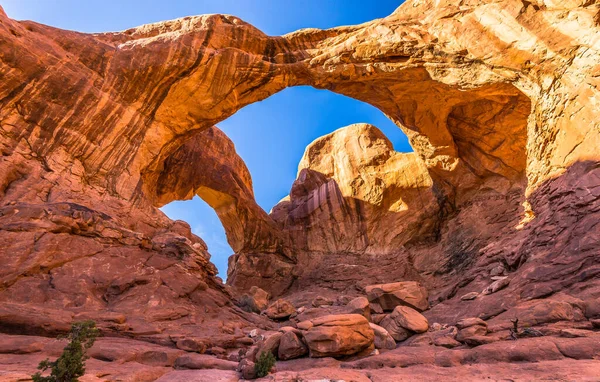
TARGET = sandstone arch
x,y
91,119
207,165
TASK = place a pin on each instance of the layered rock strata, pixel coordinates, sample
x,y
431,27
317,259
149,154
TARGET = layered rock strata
x,y
498,99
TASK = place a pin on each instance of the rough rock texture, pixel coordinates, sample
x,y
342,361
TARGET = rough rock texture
x,y
255,300
354,193
280,309
389,296
499,101
291,347
406,318
383,339
338,335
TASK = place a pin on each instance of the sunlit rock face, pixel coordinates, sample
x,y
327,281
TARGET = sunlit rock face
x,y
354,193
499,101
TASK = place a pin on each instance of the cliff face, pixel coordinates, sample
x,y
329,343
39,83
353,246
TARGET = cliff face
x,y
499,101
354,193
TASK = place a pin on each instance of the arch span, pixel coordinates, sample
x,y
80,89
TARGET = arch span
x,y
110,109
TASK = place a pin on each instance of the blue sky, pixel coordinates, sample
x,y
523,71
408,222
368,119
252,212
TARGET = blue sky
x,y
270,135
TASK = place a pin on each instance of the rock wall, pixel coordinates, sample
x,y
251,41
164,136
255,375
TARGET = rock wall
x,y
354,193
498,99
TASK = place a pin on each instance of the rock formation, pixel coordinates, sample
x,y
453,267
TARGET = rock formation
x,y
499,101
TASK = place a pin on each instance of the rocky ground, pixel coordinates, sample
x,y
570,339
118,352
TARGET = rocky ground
x,y
382,336
474,258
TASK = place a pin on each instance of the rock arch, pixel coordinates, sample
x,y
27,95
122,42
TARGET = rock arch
x,y
113,108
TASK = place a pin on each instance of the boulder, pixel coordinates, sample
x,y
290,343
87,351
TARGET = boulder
x,y
191,345
338,335
409,319
252,352
321,301
478,340
445,337
445,341
397,332
202,361
280,310
471,331
296,331
360,305
407,293
471,321
270,344
469,296
290,347
247,369
496,286
383,339
256,300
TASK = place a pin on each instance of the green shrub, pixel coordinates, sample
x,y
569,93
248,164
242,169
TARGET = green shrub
x,y
71,364
264,364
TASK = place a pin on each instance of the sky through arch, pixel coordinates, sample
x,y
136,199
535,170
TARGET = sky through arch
x,y
271,136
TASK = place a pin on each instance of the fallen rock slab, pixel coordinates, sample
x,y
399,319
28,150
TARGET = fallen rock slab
x,y
407,318
383,339
256,300
360,305
280,310
408,293
496,286
202,361
338,335
290,347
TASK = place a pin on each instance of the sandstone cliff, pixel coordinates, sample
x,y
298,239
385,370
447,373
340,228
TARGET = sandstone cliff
x,y
499,101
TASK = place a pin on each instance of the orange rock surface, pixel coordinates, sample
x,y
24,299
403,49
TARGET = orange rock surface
x,y
499,101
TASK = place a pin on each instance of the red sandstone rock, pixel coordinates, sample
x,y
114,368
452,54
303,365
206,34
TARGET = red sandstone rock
x,y
383,340
280,309
498,100
397,332
201,361
269,344
321,301
360,305
291,347
409,319
471,321
471,331
409,293
256,300
247,369
338,335
191,344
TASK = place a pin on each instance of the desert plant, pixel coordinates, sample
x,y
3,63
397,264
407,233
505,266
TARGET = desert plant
x,y
71,363
264,364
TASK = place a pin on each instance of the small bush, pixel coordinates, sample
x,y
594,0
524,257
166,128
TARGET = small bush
x,y
71,364
264,364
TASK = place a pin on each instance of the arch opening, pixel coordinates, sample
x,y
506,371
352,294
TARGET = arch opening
x,y
270,138
448,164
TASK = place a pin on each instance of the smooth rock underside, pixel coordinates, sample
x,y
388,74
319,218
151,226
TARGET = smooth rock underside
x,y
378,266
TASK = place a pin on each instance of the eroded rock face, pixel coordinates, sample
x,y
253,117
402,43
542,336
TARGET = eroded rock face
x,y
498,99
354,193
